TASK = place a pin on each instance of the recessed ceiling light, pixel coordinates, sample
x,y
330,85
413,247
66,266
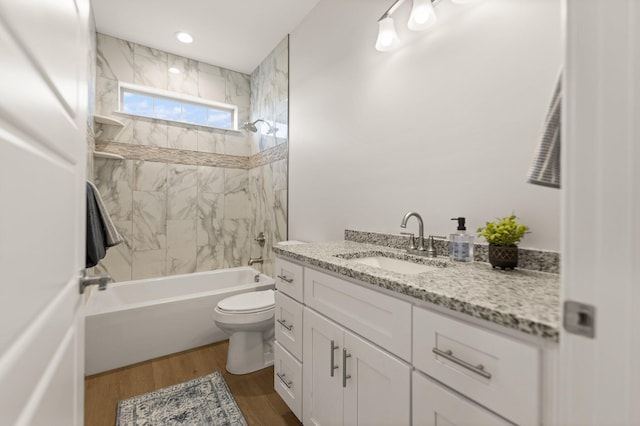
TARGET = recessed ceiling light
x,y
174,70
184,37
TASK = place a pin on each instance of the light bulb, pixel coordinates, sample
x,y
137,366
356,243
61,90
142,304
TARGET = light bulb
x,y
387,36
422,15
184,37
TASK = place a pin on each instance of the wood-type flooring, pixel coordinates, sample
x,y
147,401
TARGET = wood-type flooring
x,y
253,392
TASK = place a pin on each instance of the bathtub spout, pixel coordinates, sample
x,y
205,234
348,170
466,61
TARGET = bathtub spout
x,y
253,260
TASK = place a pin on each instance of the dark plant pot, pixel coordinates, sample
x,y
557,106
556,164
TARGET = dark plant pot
x,y
504,257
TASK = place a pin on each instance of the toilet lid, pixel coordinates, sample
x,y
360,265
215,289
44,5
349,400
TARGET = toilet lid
x,y
255,301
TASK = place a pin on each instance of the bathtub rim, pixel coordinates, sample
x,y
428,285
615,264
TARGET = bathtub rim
x,y
91,311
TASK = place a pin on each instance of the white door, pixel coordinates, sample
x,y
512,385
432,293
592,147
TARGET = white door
x,y
378,388
322,371
600,376
44,51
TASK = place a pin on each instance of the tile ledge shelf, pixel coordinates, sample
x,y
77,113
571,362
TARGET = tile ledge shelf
x,y
108,155
104,119
194,158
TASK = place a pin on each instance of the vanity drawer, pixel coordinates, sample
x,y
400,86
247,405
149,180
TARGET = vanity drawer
x,y
498,372
287,379
435,405
384,320
289,278
289,324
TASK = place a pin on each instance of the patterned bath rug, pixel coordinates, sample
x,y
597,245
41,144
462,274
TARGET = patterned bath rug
x,y
205,401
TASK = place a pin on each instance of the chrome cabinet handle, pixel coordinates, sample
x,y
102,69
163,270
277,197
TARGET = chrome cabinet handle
x,y
333,348
284,380
345,376
284,324
285,278
448,354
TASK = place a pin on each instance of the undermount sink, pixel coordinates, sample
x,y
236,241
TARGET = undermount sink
x,y
394,262
396,265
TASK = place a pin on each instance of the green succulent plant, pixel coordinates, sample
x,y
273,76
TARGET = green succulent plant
x,y
505,232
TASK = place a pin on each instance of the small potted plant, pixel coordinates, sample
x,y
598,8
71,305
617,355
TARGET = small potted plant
x,y
502,237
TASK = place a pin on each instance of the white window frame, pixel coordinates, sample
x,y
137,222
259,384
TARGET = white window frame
x,y
173,96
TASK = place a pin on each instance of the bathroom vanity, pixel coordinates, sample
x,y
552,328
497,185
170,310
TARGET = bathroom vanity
x,y
454,344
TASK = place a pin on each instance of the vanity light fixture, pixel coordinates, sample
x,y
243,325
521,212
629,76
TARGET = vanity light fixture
x,y
387,36
184,37
422,17
174,70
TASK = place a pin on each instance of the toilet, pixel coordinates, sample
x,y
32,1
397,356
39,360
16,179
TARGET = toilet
x,y
249,319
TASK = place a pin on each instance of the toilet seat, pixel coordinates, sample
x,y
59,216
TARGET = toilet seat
x,y
248,303
246,308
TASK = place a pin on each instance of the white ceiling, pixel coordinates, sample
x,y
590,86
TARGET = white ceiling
x,y
233,34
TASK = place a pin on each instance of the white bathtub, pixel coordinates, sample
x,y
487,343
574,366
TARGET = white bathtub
x,y
135,321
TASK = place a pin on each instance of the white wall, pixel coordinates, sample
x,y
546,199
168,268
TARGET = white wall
x,y
445,126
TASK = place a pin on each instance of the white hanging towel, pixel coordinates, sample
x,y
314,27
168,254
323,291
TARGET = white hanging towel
x,y
545,165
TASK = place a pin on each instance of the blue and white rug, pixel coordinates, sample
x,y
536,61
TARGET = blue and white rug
x,y
205,401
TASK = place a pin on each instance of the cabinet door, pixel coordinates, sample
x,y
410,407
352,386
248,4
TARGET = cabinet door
x,y
378,389
289,278
434,405
287,378
322,370
289,324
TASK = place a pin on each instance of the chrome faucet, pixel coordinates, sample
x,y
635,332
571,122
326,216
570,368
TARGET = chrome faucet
x,y
420,228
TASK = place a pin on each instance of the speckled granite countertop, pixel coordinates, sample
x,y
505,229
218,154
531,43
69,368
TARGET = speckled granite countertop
x,y
524,300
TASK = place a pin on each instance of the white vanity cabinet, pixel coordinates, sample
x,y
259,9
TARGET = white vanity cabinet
x,y
354,355
349,380
287,353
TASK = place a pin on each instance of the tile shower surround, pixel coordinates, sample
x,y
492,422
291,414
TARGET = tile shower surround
x,y
185,199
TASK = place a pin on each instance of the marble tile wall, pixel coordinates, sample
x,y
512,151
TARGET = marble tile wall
x,y
268,175
175,218
268,190
181,214
91,98
270,98
124,61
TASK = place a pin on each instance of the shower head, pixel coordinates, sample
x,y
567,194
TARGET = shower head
x,y
252,126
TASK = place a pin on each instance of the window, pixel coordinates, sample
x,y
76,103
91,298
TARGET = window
x,y
153,103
